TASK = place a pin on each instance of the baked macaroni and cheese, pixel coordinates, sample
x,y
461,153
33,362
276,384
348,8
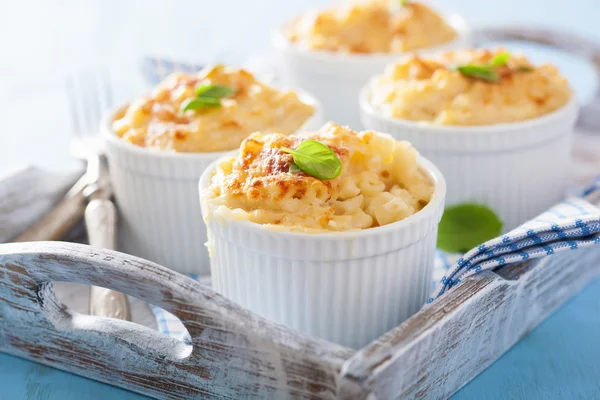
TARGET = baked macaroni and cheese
x,y
379,183
211,111
469,87
375,26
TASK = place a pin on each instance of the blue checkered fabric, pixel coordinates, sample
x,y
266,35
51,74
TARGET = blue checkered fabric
x,y
570,225
592,188
169,324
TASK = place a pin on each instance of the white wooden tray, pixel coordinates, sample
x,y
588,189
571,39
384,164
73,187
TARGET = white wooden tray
x,y
236,353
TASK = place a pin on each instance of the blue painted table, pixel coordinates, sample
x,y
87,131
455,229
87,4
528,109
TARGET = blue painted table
x,y
557,360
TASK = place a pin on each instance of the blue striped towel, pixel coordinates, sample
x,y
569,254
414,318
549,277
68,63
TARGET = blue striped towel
x,y
569,225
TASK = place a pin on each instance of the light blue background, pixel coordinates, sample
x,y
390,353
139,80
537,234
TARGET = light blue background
x,y
40,41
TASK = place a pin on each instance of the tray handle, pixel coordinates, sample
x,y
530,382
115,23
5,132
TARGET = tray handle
x,y
234,351
451,340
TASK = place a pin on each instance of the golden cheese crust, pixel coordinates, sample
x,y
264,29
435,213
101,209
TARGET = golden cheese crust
x,y
430,89
375,26
380,183
157,122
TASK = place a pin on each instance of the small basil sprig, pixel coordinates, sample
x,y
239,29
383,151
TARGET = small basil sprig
x,y
485,72
208,96
482,72
294,169
524,68
464,226
215,91
500,59
315,159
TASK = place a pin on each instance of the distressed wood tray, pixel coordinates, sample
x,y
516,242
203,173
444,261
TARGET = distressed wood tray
x,y
235,353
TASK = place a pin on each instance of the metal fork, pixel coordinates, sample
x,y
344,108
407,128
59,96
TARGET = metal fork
x,y
89,96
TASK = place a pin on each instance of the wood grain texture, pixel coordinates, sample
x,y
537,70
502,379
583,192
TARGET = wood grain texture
x,y
234,352
558,360
237,354
449,342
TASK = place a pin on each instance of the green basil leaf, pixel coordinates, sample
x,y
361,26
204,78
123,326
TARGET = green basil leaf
x,y
467,225
294,169
500,59
316,159
197,103
481,72
524,68
215,91
404,3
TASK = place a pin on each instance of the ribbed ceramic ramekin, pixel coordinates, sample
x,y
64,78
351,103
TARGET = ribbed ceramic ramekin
x,y
157,198
517,169
345,287
336,78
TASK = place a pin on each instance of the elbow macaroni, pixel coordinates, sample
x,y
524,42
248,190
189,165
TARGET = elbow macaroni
x,y
374,26
157,122
380,183
429,89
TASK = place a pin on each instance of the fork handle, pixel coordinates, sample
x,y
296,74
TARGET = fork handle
x,y
61,219
100,221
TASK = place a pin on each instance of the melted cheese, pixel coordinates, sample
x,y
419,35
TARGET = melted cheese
x,y
157,122
380,183
430,89
375,26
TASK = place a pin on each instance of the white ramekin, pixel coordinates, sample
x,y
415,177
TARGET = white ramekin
x,y
336,78
157,198
517,169
345,287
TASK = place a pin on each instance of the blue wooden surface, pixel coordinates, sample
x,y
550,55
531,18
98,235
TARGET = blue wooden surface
x,y
557,360
560,359
22,379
